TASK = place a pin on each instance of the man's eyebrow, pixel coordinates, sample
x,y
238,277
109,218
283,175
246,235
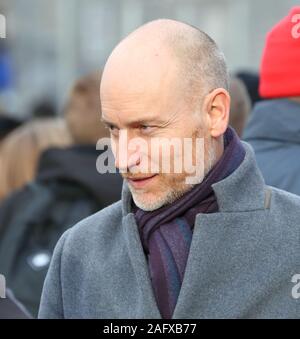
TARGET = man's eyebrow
x,y
131,123
108,123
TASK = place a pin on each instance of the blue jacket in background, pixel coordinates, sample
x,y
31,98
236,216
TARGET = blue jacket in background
x,y
274,132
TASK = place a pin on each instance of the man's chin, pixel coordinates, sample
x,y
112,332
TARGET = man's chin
x,y
149,199
148,202
152,202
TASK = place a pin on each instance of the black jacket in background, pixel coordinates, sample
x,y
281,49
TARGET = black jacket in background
x,y
78,165
67,188
10,308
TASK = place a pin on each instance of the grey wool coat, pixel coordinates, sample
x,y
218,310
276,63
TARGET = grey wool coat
x,y
241,263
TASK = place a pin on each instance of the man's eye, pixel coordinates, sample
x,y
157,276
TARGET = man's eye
x,y
113,129
145,128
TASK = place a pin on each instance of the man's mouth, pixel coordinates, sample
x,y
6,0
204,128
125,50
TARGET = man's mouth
x,y
139,182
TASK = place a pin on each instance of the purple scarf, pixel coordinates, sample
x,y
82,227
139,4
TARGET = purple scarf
x,y
166,233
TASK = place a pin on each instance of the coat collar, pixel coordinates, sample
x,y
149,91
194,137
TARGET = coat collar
x,y
243,190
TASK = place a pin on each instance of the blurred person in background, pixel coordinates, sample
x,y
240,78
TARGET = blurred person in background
x,y
66,189
20,151
240,105
251,81
274,127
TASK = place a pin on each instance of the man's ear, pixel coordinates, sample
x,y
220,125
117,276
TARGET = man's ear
x,y
216,105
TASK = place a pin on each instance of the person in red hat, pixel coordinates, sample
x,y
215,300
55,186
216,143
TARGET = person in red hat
x,y
274,127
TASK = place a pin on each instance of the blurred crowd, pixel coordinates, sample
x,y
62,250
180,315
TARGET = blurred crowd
x,y
49,181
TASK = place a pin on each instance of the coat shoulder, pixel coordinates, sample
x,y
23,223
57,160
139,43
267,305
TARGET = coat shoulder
x,y
285,207
285,200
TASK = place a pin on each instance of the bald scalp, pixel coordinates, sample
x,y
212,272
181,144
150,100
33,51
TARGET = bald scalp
x,y
200,63
200,58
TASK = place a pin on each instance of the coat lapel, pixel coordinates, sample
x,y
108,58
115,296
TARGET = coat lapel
x,y
224,259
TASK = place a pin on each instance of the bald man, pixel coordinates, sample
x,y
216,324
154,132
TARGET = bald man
x,y
202,238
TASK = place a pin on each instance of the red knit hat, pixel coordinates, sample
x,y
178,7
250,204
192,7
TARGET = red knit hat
x,y
280,66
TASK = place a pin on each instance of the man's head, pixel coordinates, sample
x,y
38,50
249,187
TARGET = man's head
x,y
165,80
83,113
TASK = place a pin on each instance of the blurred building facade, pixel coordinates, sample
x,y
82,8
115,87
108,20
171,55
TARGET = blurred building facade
x,y
52,42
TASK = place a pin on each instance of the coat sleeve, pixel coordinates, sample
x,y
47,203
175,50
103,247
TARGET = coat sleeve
x,y
51,306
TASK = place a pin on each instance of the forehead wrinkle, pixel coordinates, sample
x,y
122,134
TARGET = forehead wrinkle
x,y
127,108
142,70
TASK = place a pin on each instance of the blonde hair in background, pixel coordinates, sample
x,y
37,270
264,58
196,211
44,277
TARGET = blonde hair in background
x,y
83,111
20,151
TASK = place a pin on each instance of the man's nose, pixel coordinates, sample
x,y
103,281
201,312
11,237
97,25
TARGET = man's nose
x,y
125,159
